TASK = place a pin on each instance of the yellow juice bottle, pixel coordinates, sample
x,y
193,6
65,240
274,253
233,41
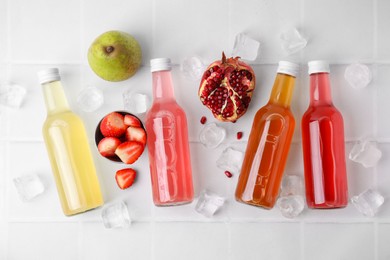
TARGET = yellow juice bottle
x,y
68,149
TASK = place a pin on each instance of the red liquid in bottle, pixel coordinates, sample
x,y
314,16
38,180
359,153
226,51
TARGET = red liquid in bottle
x,y
323,148
168,147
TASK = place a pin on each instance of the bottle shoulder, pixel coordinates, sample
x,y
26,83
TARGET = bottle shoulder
x,y
318,112
274,110
171,108
62,119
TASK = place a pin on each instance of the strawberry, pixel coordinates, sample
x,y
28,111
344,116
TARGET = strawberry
x,y
125,177
136,134
131,120
113,125
108,145
130,151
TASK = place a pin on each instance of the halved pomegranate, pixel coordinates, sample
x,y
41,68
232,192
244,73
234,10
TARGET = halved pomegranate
x,y
226,88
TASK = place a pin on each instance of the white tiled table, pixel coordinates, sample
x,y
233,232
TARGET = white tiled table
x,y
43,33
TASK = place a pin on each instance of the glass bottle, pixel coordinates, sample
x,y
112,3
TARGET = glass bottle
x,y
323,144
168,147
269,143
68,149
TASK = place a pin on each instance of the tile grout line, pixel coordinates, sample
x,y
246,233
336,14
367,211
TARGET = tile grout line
x,y
267,63
6,115
153,240
6,200
375,119
229,231
302,223
80,240
80,223
302,240
376,239
228,221
154,3
152,220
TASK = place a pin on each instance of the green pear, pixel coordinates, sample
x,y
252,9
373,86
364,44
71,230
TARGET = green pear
x,y
115,56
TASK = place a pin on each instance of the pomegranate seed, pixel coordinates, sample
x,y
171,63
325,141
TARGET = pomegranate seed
x,y
203,120
228,174
239,135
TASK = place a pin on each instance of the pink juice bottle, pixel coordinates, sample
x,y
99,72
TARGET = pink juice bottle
x,y
169,155
323,144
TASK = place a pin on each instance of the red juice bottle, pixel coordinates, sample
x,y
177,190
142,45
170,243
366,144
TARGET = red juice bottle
x,y
323,144
168,147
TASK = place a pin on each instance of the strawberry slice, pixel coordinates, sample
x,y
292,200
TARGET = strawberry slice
x,y
113,125
131,120
108,145
136,134
125,177
130,151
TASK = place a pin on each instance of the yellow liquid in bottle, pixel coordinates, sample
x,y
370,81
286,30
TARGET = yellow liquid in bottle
x,y
70,156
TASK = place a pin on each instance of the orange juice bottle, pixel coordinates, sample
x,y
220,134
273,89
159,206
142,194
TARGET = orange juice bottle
x,y
269,143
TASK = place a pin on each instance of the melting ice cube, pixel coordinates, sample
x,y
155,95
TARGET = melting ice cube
x,y
245,47
116,216
366,153
292,41
292,185
212,135
28,186
231,160
209,203
192,68
291,206
358,75
136,103
90,99
12,95
368,202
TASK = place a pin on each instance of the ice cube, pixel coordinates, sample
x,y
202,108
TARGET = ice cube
x,y
366,153
368,202
12,95
90,99
292,185
116,216
231,160
245,47
208,203
136,103
291,206
192,68
358,75
212,135
292,41
28,186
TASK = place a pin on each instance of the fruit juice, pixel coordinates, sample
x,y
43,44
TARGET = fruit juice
x,y
323,147
168,147
69,153
269,144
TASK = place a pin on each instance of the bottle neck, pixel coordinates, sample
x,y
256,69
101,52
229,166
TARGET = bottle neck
x,y
55,98
320,89
282,90
162,85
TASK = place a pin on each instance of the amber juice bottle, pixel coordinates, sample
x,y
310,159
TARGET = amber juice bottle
x,y
269,143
